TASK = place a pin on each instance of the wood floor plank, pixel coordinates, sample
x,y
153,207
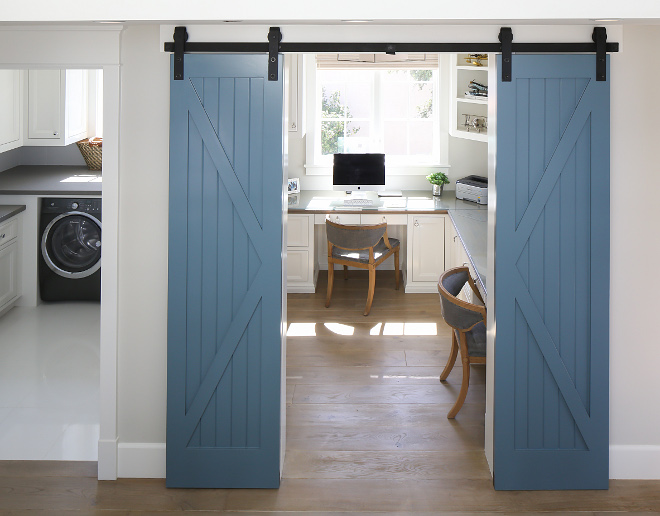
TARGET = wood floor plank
x,y
333,344
442,393
152,495
386,438
434,513
410,496
407,464
382,414
349,297
48,468
348,358
362,375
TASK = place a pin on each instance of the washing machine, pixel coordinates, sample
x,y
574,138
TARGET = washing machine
x,y
70,249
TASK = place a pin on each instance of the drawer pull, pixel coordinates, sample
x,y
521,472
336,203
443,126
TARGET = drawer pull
x,y
416,223
2,236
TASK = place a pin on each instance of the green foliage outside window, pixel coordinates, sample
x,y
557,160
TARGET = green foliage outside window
x,y
331,131
426,109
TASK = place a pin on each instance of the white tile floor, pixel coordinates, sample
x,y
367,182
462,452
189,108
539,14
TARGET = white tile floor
x,y
49,382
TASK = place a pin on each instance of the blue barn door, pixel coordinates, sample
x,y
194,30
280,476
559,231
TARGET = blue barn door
x,y
552,275
225,274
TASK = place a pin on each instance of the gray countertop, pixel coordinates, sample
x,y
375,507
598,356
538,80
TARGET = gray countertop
x,y
7,211
50,180
472,229
412,201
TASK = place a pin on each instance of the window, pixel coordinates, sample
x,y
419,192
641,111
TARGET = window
x,y
388,108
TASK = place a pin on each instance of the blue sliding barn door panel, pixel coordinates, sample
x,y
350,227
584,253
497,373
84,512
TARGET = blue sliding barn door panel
x,y
225,270
552,275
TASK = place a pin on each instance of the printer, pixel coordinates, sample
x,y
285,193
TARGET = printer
x,y
473,188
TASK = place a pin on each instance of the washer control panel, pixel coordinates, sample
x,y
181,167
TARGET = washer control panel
x,y
61,205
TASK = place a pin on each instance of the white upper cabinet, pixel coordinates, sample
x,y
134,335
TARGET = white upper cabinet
x,y
44,107
11,135
57,107
76,105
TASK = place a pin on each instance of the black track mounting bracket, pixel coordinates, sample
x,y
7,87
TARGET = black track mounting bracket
x,y
506,39
599,36
274,38
180,38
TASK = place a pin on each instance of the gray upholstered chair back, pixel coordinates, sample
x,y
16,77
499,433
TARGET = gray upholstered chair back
x,y
456,316
348,237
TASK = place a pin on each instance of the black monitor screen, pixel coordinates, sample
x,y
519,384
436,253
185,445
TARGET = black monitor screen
x,y
358,169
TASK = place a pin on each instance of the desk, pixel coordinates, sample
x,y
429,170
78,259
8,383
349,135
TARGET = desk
x,y
422,222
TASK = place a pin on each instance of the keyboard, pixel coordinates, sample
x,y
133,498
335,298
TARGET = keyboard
x,y
358,202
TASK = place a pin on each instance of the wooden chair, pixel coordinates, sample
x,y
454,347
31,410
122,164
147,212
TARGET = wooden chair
x,y
365,247
468,322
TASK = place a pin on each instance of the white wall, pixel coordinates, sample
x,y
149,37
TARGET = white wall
x,y
635,352
143,239
635,255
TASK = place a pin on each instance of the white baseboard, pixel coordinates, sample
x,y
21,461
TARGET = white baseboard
x,y
141,460
107,459
635,462
147,460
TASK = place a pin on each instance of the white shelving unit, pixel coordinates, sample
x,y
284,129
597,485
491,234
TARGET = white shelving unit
x,y
461,75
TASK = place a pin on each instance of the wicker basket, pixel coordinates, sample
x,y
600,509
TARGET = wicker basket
x,y
92,151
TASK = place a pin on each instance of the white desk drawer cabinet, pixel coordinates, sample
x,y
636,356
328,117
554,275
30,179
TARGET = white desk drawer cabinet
x,y
10,266
426,252
297,267
393,219
301,268
8,275
339,218
298,231
8,231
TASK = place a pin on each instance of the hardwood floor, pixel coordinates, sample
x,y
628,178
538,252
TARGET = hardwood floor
x,y
366,432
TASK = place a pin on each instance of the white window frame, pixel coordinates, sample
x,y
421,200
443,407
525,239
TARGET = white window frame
x,y
312,140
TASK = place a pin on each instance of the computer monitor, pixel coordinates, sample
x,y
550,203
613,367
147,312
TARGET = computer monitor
x,y
358,172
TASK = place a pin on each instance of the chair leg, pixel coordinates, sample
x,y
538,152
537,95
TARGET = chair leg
x,y
345,272
372,286
396,267
331,277
464,388
452,357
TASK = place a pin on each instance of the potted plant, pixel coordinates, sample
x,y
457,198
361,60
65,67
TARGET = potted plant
x,y
438,180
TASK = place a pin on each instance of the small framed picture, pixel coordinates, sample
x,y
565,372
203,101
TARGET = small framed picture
x,y
294,199
294,185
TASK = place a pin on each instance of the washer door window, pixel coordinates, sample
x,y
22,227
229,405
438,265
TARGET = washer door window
x,y
71,245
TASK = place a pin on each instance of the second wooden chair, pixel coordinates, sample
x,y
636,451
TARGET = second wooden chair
x,y
365,247
468,323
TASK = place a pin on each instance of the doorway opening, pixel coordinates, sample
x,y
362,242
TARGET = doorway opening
x,y
363,393
50,329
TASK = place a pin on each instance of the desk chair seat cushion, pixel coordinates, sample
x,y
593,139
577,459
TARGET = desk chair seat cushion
x,y
475,340
362,256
